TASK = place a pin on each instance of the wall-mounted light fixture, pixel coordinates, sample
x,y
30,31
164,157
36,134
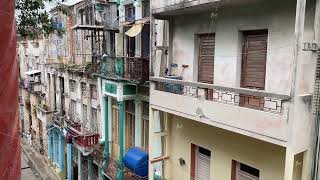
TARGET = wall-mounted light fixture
x,y
182,161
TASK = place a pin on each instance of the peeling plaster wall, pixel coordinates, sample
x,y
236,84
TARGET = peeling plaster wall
x,y
277,17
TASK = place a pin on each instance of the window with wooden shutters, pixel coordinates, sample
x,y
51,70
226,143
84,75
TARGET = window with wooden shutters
x,y
253,69
206,58
129,124
206,61
145,125
115,129
254,59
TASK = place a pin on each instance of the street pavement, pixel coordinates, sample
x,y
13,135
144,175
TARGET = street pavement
x,y
27,173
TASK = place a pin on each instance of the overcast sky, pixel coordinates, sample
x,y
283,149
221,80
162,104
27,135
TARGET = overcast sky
x,y
51,5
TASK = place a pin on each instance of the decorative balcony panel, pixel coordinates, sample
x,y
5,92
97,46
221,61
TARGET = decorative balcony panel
x,y
81,137
249,98
125,68
257,113
119,89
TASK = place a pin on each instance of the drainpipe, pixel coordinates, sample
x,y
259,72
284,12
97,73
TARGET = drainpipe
x,y
121,139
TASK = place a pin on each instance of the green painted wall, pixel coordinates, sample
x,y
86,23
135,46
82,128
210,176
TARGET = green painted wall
x,y
111,88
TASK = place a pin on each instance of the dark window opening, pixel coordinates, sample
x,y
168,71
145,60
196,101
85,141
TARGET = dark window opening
x,y
249,170
130,12
204,151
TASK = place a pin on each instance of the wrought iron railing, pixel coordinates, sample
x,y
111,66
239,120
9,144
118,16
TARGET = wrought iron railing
x,y
249,98
126,68
84,139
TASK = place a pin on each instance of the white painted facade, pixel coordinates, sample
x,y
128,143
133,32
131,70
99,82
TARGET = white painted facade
x,y
290,71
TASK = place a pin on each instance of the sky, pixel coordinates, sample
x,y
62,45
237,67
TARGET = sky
x,y
51,5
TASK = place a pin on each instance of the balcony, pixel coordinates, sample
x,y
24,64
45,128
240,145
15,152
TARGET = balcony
x,y
43,113
125,68
85,141
176,7
246,111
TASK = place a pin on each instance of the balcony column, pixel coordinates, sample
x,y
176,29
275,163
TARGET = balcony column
x,y
101,100
106,133
138,15
138,123
50,146
119,37
289,165
69,160
55,138
79,165
121,106
90,168
61,153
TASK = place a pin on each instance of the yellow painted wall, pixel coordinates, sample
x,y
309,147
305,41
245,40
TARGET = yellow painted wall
x,y
224,146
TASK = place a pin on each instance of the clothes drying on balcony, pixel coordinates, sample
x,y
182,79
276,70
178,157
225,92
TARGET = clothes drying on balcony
x,y
136,160
136,28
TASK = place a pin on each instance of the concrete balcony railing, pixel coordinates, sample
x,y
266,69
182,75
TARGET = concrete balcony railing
x,y
34,86
125,68
170,7
236,109
43,113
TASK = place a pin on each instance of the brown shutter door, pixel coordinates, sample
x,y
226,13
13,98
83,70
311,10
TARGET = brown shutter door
x,y
206,58
253,69
254,59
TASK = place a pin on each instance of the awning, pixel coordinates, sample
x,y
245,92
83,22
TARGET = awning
x,y
137,27
33,72
134,30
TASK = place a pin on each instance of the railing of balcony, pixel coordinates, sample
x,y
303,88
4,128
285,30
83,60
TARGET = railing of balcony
x,y
249,98
34,86
84,139
126,68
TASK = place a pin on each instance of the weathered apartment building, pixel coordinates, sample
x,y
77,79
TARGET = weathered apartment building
x,y
231,89
85,91
234,90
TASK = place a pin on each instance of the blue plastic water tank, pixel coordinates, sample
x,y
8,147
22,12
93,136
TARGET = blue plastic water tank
x,y
137,161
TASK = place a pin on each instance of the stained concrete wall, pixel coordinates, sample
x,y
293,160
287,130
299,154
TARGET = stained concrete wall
x,y
277,17
233,18
225,146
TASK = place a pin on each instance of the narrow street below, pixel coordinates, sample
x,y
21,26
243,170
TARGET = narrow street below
x,y
27,173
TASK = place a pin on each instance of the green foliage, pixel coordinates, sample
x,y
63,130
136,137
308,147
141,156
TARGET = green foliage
x,y
33,20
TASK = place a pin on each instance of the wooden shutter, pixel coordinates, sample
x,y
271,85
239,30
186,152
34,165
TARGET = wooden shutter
x,y
254,59
206,58
253,69
129,125
115,129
